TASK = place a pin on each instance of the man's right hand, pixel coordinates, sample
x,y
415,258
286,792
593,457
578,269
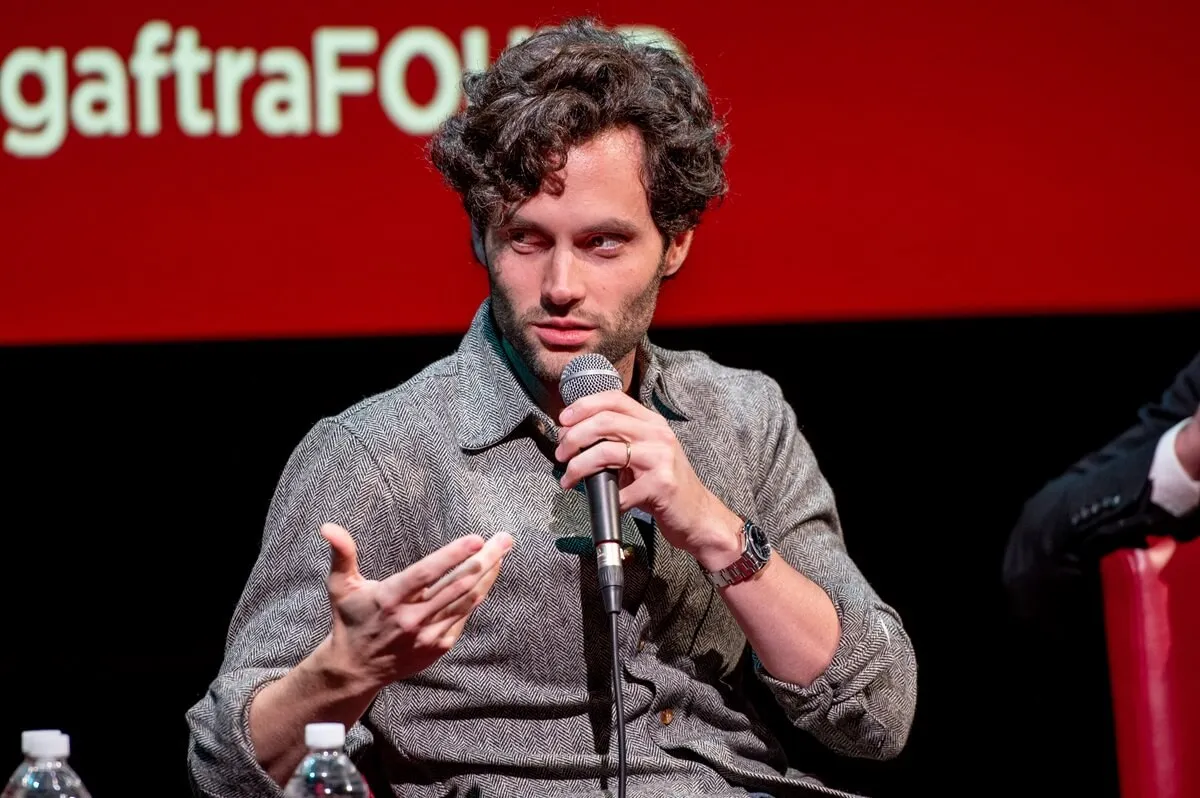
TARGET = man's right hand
x,y
388,630
382,632
1187,446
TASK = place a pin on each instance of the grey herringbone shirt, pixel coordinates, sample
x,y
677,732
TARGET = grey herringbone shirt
x,y
521,705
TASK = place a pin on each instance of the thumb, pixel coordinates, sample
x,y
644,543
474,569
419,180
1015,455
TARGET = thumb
x,y
343,571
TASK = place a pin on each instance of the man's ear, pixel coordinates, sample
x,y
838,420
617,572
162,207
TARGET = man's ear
x,y
676,254
478,246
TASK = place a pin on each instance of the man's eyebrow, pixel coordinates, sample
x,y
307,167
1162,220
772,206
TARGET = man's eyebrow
x,y
611,224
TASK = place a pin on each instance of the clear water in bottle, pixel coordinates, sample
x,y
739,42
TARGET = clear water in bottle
x,y
45,773
326,770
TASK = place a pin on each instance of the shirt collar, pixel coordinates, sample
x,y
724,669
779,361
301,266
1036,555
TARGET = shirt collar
x,y
494,400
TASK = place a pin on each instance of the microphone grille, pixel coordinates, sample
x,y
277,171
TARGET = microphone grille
x,y
586,375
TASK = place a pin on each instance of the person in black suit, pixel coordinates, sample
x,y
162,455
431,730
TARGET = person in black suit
x,y
1144,482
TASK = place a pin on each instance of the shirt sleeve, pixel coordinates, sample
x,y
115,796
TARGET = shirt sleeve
x,y
284,610
1172,488
863,704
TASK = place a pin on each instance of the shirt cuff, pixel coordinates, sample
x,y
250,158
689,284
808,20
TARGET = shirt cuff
x,y
221,757
1171,488
862,704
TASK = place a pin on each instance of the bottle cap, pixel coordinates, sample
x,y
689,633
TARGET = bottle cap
x,y
325,735
28,736
49,745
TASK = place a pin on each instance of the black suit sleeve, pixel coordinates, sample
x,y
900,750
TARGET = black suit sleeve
x,y
1099,504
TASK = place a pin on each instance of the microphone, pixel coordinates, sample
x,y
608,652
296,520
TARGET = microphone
x,y
583,376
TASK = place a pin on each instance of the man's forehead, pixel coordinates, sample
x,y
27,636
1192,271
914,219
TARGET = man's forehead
x,y
602,177
614,148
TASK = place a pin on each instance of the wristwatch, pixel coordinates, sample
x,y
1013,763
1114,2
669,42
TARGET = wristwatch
x,y
756,552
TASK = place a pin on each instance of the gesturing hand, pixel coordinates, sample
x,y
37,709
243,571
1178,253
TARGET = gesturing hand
x,y
388,630
612,430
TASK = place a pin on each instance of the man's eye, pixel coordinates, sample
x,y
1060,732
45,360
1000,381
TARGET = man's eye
x,y
522,240
602,241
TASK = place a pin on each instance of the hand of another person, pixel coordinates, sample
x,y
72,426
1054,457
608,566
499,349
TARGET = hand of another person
x,y
388,630
1187,446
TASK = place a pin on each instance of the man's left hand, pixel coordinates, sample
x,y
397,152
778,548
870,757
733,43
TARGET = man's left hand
x,y
655,473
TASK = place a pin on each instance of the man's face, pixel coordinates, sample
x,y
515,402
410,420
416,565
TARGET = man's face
x,y
579,272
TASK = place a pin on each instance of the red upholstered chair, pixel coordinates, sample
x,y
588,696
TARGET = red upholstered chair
x,y
1152,622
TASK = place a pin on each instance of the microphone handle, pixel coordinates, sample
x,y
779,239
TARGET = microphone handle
x,y
605,503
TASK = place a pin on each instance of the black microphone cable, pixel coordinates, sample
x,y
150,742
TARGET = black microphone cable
x,y
619,701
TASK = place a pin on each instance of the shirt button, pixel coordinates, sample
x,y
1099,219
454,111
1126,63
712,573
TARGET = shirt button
x,y
641,646
666,716
627,553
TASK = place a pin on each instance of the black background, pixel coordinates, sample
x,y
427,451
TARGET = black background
x,y
139,478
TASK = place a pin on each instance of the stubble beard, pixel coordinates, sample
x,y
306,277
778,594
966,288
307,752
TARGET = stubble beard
x,y
616,337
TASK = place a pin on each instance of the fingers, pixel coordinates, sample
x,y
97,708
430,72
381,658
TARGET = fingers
x,y
643,455
605,425
462,605
617,401
446,614
443,633
475,567
455,631
345,557
402,586
635,494
606,454
343,572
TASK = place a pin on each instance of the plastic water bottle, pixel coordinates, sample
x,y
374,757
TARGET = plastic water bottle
x,y
45,772
28,745
326,770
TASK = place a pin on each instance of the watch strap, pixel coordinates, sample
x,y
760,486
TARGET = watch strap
x,y
743,567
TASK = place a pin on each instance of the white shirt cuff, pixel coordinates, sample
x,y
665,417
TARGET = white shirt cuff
x,y
1171,488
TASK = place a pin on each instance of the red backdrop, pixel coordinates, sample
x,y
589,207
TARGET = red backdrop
x,y
888,160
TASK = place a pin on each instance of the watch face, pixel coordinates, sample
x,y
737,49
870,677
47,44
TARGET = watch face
x,y
759,546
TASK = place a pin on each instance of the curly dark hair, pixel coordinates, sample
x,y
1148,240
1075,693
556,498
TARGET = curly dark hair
x,y
561,87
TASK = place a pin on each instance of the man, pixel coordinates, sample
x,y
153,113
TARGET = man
x,y
1144,482
458,632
